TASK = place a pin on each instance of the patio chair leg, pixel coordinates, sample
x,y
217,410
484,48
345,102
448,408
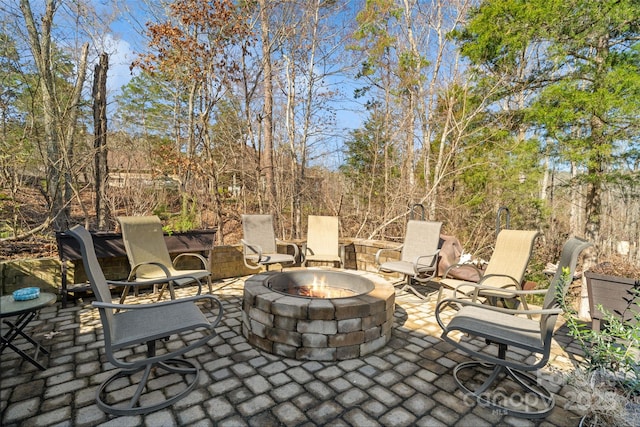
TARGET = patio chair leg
x,y
210,285
408,287
131,406
536,402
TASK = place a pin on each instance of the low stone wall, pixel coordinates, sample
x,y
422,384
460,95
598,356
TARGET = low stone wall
x,y
360,254
226,261
43,273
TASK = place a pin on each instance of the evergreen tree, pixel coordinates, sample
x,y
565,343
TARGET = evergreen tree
x,y
576,66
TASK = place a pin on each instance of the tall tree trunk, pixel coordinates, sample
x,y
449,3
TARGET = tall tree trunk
x,y
40,44
267,119
190,149
574,212
595,172
439,164
544,184
414,89
303,145
252,139
431,185
100,141
296,162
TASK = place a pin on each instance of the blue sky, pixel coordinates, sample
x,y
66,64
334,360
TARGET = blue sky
x,y
350,115
126,40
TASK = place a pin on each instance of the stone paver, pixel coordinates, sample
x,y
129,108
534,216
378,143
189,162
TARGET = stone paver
x,y
406,383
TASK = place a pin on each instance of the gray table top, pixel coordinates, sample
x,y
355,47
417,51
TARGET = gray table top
x,y
9,307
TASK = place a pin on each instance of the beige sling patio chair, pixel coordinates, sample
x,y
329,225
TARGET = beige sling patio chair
x,y
418,254
260,246
505,269
505,380
128,326
149,257
322,241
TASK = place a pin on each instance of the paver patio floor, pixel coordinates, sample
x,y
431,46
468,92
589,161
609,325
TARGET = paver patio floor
x,y
407,383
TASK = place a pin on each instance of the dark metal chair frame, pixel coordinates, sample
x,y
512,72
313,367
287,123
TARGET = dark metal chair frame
x,y
507,329
130,325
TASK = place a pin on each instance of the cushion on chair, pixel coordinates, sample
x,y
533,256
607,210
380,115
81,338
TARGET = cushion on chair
x,y
450,251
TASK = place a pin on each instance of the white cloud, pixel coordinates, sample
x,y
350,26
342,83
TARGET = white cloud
x,y
120,57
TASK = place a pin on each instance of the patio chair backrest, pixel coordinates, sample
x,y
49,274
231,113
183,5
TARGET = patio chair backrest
x,y
568,260
422,238
510,257
258,230
322,235
95,275
144,241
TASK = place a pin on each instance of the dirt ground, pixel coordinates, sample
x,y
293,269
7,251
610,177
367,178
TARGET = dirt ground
x,y
28,209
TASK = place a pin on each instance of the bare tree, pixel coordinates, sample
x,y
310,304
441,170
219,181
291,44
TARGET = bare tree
x,y
312,42
100,141
59,119
267,115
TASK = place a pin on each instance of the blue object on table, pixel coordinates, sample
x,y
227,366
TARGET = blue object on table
x,y
26,294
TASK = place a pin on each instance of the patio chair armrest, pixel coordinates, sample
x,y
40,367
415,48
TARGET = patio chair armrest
x,y
135,268
167,279
202,259
433,258
296,251
486,290
255,249
496,291
102,304
306,250
489,276
465,302
250,249
515,292
156,281
303,252
381,251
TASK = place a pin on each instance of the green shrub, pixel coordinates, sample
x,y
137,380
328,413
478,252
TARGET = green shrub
x,y
615,348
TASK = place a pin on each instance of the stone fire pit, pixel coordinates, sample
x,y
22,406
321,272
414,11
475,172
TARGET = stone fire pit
x,y
282,316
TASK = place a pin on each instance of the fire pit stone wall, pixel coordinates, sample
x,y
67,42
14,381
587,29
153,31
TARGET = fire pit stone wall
x,y
324,329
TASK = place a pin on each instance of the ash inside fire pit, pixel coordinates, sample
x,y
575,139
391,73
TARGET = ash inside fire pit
x,y
320,284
